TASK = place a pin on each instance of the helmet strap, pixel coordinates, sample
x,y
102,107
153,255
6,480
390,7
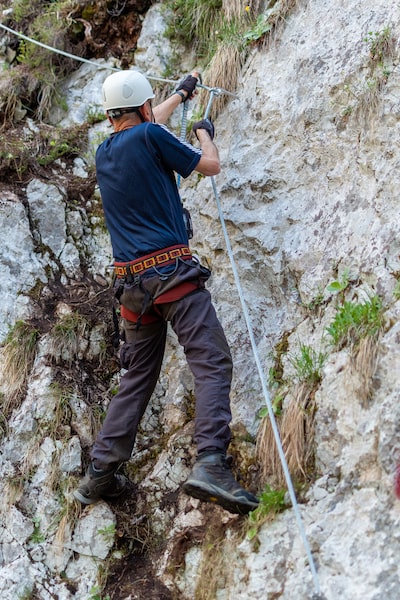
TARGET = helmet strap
x,y
115,113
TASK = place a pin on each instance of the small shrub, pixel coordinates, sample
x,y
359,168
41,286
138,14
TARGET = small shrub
x,y
339,285
259,28
381,44
308,364
37,536
271,503
353,322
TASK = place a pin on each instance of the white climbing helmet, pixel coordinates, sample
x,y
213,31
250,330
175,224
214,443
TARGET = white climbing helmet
x,y
126,89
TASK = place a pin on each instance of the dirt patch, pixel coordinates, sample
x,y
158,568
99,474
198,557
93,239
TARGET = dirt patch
x,y
135,580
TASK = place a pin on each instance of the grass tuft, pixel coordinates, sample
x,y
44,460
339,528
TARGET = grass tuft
x,y
18,353
355,321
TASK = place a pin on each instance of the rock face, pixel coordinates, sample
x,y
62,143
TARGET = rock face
x,y
308,193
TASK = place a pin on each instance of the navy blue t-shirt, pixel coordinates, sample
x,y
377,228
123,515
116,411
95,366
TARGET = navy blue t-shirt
x,y
135,172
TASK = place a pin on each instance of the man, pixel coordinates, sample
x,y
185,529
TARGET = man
x,y
158,281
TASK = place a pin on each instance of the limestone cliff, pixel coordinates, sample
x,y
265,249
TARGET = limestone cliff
x,y
308,193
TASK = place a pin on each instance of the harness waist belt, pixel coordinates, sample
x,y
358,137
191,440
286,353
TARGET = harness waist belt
x,y
160,258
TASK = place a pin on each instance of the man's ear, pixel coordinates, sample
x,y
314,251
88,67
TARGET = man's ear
x,y
145,111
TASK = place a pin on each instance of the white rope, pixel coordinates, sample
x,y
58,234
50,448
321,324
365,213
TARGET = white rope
x,y
265,388
103,66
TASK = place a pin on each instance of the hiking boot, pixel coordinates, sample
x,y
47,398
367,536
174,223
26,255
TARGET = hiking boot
x,y
98,484
211,480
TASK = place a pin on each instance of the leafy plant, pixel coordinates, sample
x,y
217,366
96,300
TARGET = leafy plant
x,y
189,22
108,532
271,503
56,149
276,404
26,594
95,114
37,537
381,44
339,285
96,594
317,301
308,364
259,28
354,321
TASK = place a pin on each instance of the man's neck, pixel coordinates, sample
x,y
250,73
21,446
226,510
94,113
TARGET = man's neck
x,y
125,122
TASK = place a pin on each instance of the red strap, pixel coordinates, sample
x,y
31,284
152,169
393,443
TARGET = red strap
x,y
178,292
134,317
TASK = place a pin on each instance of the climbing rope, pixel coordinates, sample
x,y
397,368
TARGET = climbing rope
x,y
103,66
317,595
215,91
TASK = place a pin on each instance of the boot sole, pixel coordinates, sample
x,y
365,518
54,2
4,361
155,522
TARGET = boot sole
x,y
229,503
83,499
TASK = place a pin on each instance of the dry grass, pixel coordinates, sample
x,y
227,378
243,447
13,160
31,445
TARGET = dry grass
x,y
67,336
214,568
11,493
70,516
18,355
224,69
222,72
363,367
296,429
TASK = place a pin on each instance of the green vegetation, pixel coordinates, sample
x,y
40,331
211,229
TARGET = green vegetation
x,y
57,148
96,594
308,364
189,23
221,48
36,72
26,594
362,95
354,321
316,302
95,114
108,532
62,411
37,536
271,503
261,26
338,286
21,155
381,44
356,325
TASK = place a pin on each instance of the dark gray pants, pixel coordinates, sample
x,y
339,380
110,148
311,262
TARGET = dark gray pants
x,y
199,331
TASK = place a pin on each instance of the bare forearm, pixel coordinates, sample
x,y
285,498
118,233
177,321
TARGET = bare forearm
x,y
163,111
209,163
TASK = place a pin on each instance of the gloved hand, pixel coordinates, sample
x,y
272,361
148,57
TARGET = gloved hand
x,y
188,85
204,124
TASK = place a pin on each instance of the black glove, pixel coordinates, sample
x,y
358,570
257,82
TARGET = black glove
x,y
188,85
204,124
